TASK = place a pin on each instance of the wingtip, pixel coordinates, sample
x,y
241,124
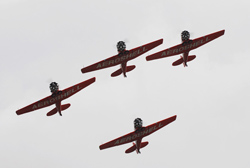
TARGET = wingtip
x,y
224,31
174,117
92,79
19,112
82,71
100,147
150,57
221,32
161,40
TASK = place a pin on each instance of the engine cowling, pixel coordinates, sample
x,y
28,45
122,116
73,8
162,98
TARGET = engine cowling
x,y
138,123
121,46
185,35
53,87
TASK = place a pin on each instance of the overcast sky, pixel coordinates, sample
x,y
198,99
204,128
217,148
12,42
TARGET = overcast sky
x,y
50,40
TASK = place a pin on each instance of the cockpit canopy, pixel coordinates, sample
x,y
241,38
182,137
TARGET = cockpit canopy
x,y
121,46
137,123
53,87
185,35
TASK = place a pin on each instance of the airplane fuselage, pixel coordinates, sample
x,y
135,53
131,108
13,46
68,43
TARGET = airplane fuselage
x,y
123,58
140,134
57,98
138,145
123,64
137,135
59,107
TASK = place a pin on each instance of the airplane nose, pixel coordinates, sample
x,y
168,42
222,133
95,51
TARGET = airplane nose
x,y
121,46
185,35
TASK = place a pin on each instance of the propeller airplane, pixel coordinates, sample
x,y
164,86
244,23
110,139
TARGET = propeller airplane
x,y
185,47
55,98
137,135
122,58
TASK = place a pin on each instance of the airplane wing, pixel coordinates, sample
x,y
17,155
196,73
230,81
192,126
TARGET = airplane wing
x,y
158,125
115,60
130,137
37,105
47,101
74,89
138,134
178,49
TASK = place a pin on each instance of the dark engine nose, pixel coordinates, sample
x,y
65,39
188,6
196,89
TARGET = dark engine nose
x,y
53,87
185,35
121,46
137,123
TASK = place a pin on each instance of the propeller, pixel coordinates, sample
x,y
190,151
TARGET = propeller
x,y
53,87
124,40
185,35
138,123
121,46
179,31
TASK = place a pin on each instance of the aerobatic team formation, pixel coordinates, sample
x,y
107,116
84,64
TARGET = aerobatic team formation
x,y
122,58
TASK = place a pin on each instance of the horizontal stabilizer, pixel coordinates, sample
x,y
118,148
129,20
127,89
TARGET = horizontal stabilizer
x,y
191,57
130,68
131,149
52,112
143,144
117,73
65,106
178,62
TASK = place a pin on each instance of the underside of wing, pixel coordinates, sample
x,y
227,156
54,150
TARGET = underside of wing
x,y
119,141
66,93
158,125
166,53
135,52
37,105
109,62
205,39
74,89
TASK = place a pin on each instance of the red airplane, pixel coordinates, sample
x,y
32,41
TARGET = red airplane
x,y
122,58
186,46
137,135
55,98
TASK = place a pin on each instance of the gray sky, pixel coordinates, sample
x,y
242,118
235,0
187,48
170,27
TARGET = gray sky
x,y
49,40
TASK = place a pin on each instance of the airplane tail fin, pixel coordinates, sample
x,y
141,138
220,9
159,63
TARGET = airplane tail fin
x,y
178,62
54,110
119,71
133,148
